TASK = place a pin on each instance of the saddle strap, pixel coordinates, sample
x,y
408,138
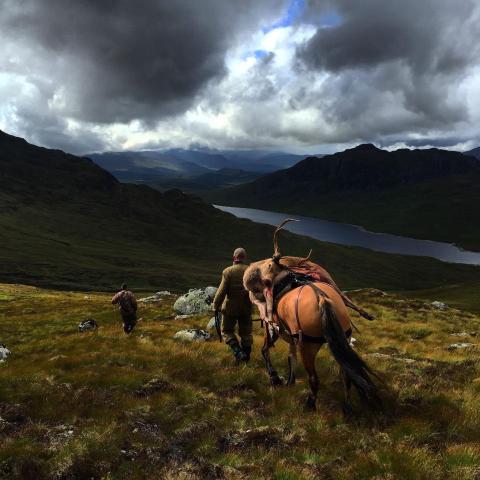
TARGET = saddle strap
x,y
297,315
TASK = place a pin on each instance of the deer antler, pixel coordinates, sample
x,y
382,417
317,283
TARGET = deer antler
x,y
276,250
306,258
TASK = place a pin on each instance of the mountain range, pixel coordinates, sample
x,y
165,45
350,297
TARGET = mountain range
x,y
177,163
431,194
474,153
66,222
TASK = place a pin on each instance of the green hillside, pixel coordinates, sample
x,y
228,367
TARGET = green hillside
x,y
67,223
429,194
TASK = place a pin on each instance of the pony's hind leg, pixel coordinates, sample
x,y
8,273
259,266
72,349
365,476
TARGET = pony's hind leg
x,y
268,342
309,352
347,388
292,362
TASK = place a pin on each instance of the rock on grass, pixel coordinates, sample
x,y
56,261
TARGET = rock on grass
x,y
87,325
195,301
460,346
4,352
192,335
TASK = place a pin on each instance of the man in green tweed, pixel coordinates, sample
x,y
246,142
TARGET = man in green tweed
x,y
233,301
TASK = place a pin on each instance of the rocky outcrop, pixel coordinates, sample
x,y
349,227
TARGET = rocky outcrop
x,y
192,335
196,301
156,297
439,305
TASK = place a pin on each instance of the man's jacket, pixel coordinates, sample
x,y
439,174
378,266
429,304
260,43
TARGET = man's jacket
x,y
127,302
231,297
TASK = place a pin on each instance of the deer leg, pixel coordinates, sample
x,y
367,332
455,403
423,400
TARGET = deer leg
x,y
309,353
268,342
292,362
359,310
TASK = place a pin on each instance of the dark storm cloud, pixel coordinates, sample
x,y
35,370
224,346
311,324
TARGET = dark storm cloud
x,y
122,60
414,52
428,35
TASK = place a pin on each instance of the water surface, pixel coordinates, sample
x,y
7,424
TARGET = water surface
x,y
353,235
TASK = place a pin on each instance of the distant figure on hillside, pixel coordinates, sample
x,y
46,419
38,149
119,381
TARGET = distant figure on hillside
x,y
233,301
128,308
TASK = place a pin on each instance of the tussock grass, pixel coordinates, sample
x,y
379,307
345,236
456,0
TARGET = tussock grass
x,y
104,405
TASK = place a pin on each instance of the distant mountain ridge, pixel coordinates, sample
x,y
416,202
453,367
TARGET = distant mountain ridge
x,y
367,166
474,153
183,163
428,193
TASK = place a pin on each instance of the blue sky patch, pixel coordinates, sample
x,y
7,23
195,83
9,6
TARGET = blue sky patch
x,y
331,19
294,10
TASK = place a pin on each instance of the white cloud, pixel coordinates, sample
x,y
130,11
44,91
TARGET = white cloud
x,y
265,98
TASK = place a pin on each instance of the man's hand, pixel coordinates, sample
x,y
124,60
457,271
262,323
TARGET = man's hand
x,y
213,308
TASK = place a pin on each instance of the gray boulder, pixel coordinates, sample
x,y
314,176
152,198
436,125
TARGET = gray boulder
x,y
156,297
439,305
192,335
196,301
4,352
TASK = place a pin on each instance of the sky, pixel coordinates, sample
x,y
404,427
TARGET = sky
x,y
306,76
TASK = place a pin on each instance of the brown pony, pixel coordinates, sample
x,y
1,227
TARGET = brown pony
x,y
308,317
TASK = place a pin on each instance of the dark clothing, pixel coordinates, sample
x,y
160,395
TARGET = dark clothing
x,y
128,309
244,329
126,301
129,322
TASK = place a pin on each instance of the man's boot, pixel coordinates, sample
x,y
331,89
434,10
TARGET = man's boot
x,y
237,351
247,351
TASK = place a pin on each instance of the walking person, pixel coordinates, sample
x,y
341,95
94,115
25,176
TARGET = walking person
x,y
233,301
128,308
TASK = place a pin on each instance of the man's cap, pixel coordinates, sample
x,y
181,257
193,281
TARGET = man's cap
x,y
239,253
124,286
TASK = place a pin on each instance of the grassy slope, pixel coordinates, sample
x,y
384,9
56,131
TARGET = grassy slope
x,y
39,249
72,404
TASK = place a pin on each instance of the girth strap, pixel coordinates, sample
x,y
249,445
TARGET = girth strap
x,y
318,293
297,316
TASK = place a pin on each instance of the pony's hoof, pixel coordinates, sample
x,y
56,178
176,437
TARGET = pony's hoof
x,y
310,404
276,381
369,317
291,382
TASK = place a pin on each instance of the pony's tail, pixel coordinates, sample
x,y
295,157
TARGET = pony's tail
x,y
351,363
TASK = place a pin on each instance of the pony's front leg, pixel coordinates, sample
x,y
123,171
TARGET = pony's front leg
x,y
268,342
